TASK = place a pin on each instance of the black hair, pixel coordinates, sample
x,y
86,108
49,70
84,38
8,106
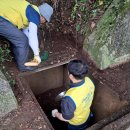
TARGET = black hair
x,y
78,68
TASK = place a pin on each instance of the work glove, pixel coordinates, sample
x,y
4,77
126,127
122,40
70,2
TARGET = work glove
x,y
35,62
37,59
53,112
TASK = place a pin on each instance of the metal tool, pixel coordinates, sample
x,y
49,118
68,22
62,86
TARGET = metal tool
x,y
60,96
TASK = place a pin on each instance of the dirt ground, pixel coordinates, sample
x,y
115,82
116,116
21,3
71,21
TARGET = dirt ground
x,y
28,116
61,47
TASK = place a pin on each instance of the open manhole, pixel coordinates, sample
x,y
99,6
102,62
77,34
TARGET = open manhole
x,y
47,84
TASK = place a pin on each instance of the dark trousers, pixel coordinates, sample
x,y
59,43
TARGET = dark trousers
x,y
82,126
18,39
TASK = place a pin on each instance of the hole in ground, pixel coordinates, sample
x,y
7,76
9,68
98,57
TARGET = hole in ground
x,y
47,84
48,103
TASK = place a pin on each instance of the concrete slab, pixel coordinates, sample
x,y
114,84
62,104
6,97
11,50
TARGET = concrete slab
x,y
8,101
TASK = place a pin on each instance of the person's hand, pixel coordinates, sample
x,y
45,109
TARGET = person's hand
x,y
35,62
53,112
37,59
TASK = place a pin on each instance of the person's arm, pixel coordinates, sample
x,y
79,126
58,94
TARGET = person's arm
x,y
67,110
33,38
25,31
58,115
31,32
34,21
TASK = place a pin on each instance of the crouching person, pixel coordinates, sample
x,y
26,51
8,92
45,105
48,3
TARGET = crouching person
x,y
19,21
75,106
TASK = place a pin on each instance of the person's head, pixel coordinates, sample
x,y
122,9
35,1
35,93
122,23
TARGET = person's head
x,y
77,69
46,12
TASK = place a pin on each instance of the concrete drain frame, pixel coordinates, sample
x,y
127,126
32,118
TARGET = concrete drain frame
x,y
45,79
54,77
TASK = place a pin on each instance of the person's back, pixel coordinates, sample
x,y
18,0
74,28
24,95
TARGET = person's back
x,y
19,22
82,96
14,11
75,106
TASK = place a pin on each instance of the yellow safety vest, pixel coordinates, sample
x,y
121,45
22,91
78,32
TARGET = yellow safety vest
x,y
15,12
82,97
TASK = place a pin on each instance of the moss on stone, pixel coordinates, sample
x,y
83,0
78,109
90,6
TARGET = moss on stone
x,y
101,44
117,9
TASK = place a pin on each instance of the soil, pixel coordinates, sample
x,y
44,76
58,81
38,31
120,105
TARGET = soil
x,y
62,47
28,116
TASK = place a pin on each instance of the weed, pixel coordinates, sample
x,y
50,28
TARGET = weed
x,y
83,10
5,56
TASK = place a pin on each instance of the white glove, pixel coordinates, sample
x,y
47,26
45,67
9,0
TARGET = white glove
x,y
37,58
53,112
35,62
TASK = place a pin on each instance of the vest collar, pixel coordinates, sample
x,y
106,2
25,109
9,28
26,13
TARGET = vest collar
x,y
77,84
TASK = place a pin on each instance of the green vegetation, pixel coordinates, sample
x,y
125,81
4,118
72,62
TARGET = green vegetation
x,y
5,57
101,44
84,11
7,75
108,22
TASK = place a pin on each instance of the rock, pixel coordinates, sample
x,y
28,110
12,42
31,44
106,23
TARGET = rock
x,y
106,101
7,99
109,44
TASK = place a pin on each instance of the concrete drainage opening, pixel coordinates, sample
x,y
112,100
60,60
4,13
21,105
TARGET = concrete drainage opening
x,y
47,84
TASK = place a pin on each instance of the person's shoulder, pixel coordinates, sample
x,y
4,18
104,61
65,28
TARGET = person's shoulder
x,y
32,15
89,81
67,100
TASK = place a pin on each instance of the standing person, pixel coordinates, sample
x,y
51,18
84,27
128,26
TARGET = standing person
x,y
19,21
75,106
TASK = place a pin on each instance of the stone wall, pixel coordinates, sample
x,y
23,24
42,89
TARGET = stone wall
x,y
7,99
109,44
